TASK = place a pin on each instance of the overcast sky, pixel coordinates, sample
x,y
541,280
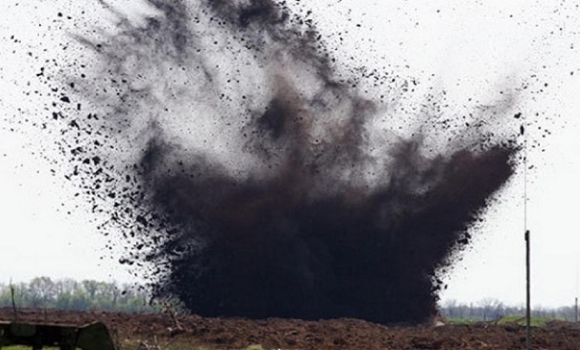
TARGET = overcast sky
x,y
471,49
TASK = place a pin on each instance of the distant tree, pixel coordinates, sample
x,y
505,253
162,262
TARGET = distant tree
x,y
66,286
491,308
91,287
449,308
42,290
80,301
64,301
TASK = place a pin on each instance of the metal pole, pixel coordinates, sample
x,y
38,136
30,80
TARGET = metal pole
x,y
528,304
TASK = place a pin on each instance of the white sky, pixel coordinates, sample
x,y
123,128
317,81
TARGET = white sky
x,y
474,48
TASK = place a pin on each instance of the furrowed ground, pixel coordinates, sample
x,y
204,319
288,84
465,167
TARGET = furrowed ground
x,y
191,332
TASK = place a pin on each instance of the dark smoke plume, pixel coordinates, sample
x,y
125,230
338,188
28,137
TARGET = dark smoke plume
x,y
258,181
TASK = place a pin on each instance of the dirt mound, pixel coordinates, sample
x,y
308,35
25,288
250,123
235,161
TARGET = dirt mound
x,y
237,333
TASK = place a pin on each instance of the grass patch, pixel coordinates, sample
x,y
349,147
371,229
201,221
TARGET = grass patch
x,y
463,320
521,320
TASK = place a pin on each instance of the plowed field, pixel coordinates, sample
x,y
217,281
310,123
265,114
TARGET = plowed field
x,y
236,333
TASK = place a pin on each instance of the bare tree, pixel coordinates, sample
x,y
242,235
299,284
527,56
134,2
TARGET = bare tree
x,y
42,289
492,309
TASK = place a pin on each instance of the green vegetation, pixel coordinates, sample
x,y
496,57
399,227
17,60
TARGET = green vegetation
x,y
491,310
463,320
42,292
521,320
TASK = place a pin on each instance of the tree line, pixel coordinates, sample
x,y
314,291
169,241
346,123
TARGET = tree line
x,y
69,294
493,309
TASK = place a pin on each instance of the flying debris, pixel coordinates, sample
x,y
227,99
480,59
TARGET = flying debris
x,y
256,178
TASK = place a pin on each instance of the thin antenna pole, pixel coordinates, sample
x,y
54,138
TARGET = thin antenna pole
x,y
528,239
528,296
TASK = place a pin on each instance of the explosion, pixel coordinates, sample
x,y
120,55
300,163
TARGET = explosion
x,y
258,179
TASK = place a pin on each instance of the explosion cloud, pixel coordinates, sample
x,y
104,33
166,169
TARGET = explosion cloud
x,y
255,177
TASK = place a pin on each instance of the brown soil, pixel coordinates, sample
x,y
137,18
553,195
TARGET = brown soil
x,y
236,333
